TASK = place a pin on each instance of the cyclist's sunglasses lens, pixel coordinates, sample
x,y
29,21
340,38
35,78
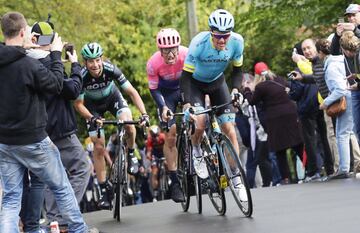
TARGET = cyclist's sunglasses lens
x,y
221,36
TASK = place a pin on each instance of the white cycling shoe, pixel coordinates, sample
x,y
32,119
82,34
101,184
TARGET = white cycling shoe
x,y
240,188
199,163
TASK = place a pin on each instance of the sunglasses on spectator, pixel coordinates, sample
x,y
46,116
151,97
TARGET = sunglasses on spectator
x,y
167,51
220,36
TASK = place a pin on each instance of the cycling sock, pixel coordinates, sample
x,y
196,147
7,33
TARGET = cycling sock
x,y
103,187
173,177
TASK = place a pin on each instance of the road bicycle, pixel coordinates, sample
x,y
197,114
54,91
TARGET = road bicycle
x,y
189,181
118,176
216,147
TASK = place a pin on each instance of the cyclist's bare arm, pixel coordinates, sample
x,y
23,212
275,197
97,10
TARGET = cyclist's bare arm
x,y
136,99
81,109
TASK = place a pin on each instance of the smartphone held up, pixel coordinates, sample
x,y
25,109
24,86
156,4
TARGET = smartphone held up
x,y
68,48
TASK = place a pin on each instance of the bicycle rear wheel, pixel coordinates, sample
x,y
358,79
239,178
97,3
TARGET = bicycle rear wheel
x,y
214,190
182,171
197,184
235,175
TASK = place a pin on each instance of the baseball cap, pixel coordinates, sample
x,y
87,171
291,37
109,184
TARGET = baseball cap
x,y
260,67
43,28
352,9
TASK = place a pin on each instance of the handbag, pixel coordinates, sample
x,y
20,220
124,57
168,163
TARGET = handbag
x,y
337,108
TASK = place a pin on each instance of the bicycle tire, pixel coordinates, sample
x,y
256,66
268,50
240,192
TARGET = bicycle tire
x,y
227,151
215,192
119,187
182,170
198,193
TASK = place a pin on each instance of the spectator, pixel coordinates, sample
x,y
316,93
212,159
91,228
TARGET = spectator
x,y
253,117
281,117
62,126
24,142
335,77
304,90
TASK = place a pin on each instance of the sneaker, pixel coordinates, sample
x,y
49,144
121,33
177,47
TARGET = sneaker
x,y
199,163
93,230
315,177
133,164
339,175
104,202
240,188
177,194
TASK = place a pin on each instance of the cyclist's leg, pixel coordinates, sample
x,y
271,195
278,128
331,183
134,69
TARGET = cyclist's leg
x,y
154,177
226,115
120,109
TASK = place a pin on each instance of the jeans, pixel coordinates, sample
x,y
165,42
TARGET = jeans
x,y
344,126
355,102
43,159
74,159
32,202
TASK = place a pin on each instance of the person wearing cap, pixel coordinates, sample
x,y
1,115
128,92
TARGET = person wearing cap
x,y
62,130
163,73
100,94
210,53
282,123
352,13
351,68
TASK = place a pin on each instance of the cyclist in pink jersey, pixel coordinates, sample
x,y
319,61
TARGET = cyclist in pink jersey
x,y
163,70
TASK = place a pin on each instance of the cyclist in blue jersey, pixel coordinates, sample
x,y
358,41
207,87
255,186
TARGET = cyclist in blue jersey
x,y
209,54
100,94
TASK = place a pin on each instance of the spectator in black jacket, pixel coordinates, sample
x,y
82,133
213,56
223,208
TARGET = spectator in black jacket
x,y
61,128
24,142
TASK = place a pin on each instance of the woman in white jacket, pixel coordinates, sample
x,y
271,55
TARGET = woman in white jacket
x,y
335,78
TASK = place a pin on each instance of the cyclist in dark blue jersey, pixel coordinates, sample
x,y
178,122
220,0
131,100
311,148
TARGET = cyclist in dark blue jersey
x,y
209,55
100,94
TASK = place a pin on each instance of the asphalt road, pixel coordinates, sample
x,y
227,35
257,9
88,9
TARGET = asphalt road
x,y
323,207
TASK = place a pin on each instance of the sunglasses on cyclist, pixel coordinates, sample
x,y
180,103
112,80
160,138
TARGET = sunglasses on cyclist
x,y
167,51
220,36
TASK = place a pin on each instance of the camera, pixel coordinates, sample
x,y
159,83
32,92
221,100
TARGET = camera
x,y
68,48
291,75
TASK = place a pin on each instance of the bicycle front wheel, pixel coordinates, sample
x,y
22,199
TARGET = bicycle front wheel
x,y
182,171
214,189
120,185
197,184
235,175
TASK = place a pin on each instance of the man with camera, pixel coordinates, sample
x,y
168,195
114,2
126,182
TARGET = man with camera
x,y
304,88
24,142
61,128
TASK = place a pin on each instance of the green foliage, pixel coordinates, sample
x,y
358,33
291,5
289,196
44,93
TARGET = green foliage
x,y
126,29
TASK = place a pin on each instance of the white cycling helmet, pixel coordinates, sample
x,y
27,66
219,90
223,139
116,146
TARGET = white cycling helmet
x,y
221,20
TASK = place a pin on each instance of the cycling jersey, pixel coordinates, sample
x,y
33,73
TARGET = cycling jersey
x,y
155,145
163,80
207,63
103,86
162,75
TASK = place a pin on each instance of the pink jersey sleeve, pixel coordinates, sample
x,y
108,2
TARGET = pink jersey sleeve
x,y
152,73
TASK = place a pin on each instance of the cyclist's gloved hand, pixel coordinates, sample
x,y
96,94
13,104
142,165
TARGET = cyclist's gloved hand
x,y
95,121
145,119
